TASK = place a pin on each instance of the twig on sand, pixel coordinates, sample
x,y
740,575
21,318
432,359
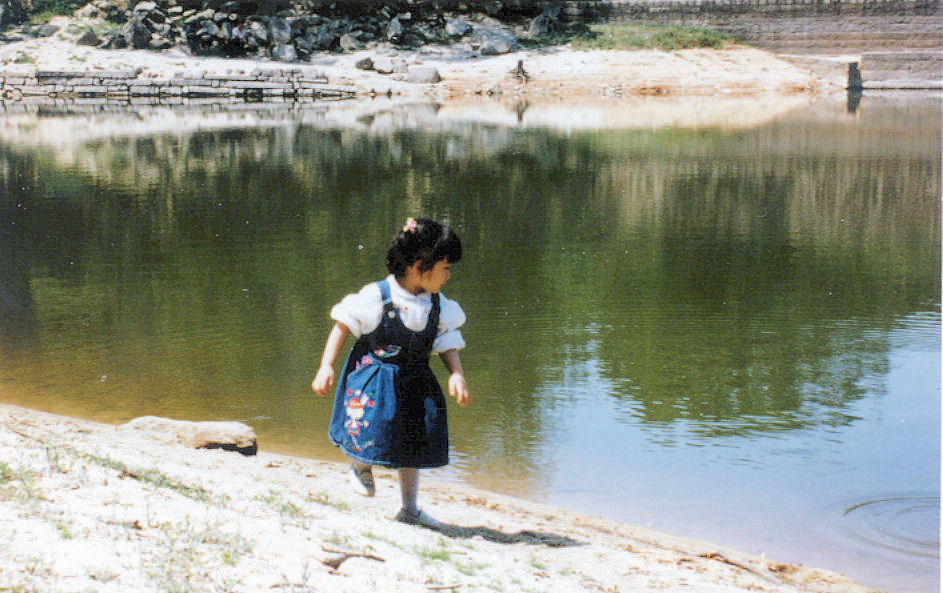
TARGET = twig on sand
x,y
443,587
335,562
721,558
22,434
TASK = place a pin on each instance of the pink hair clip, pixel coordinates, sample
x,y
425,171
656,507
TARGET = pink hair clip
x,y
410,226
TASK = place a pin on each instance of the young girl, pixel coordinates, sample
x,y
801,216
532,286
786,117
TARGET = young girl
x,y
399,322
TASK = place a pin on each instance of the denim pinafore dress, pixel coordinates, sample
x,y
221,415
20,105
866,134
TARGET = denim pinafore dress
x,y
389,409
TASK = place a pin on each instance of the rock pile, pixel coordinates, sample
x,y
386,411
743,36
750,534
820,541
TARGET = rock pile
x,y
271,30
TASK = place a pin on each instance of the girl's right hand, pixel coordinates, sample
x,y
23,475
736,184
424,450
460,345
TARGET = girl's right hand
x,y
324,380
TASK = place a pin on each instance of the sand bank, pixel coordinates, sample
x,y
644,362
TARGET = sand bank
x,y
565,89
87,506
553,74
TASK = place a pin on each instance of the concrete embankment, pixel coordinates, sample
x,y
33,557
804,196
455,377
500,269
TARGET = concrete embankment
x,y
125,86
896,44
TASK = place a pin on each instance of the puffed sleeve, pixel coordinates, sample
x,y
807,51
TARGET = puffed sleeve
x,y
451,317
360,312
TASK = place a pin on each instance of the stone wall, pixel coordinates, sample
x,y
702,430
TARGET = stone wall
x,y
902,70
125,87
801,26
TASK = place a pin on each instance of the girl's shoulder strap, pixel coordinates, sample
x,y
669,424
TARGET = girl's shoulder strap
x,y
385,297
432,325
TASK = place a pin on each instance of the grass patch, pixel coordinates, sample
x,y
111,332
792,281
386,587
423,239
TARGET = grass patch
x,y
184,560
17,484
323,498
380,538
470,568
439,552
629,36
65,529
538,565
338,540
285,508
152,477
6,473
43,10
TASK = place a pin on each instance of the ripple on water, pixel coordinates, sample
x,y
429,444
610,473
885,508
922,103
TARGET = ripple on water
x,y
907,524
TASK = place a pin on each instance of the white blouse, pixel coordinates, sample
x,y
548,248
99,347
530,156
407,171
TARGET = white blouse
x,y
361,313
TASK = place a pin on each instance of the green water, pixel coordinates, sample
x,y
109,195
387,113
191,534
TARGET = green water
x,y
732,335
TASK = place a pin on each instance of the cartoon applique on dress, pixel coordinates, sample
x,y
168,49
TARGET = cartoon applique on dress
x,y
357,403
389,409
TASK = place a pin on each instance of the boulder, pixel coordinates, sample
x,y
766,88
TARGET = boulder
x,y
89,11
230,436
158,43
115,41
285,52
324,38
350,42
547,22
364,64
196,18
390,66
303,44
47,31
258,31
423,75
208,29
279,30
492,42
456,27
136,33
88,38
394,31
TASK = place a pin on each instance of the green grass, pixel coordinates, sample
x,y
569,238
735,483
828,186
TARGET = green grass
x,y
43,10
17,484
6,473
283,506
323,498
152,477
438,552
639,36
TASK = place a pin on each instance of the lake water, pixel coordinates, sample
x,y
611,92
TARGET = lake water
x,y
731,334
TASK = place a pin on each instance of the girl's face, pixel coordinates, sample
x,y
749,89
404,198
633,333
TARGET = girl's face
x,y
433,280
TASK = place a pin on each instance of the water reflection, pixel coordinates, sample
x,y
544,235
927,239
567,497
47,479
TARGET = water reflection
x,y
670,289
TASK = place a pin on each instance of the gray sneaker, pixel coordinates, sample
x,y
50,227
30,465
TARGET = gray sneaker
x,y
420,519
362,481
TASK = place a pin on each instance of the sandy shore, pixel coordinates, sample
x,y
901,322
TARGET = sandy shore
x,y
94,507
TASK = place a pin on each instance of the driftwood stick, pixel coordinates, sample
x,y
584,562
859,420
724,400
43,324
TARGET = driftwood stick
x,y
353,554
721,558
22,434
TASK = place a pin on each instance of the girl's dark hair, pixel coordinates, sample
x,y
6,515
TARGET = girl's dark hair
x,y
423,240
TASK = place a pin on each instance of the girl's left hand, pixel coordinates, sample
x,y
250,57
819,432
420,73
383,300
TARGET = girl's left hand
x,y
458,389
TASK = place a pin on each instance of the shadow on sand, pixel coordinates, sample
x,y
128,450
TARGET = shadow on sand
x,y
525,536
